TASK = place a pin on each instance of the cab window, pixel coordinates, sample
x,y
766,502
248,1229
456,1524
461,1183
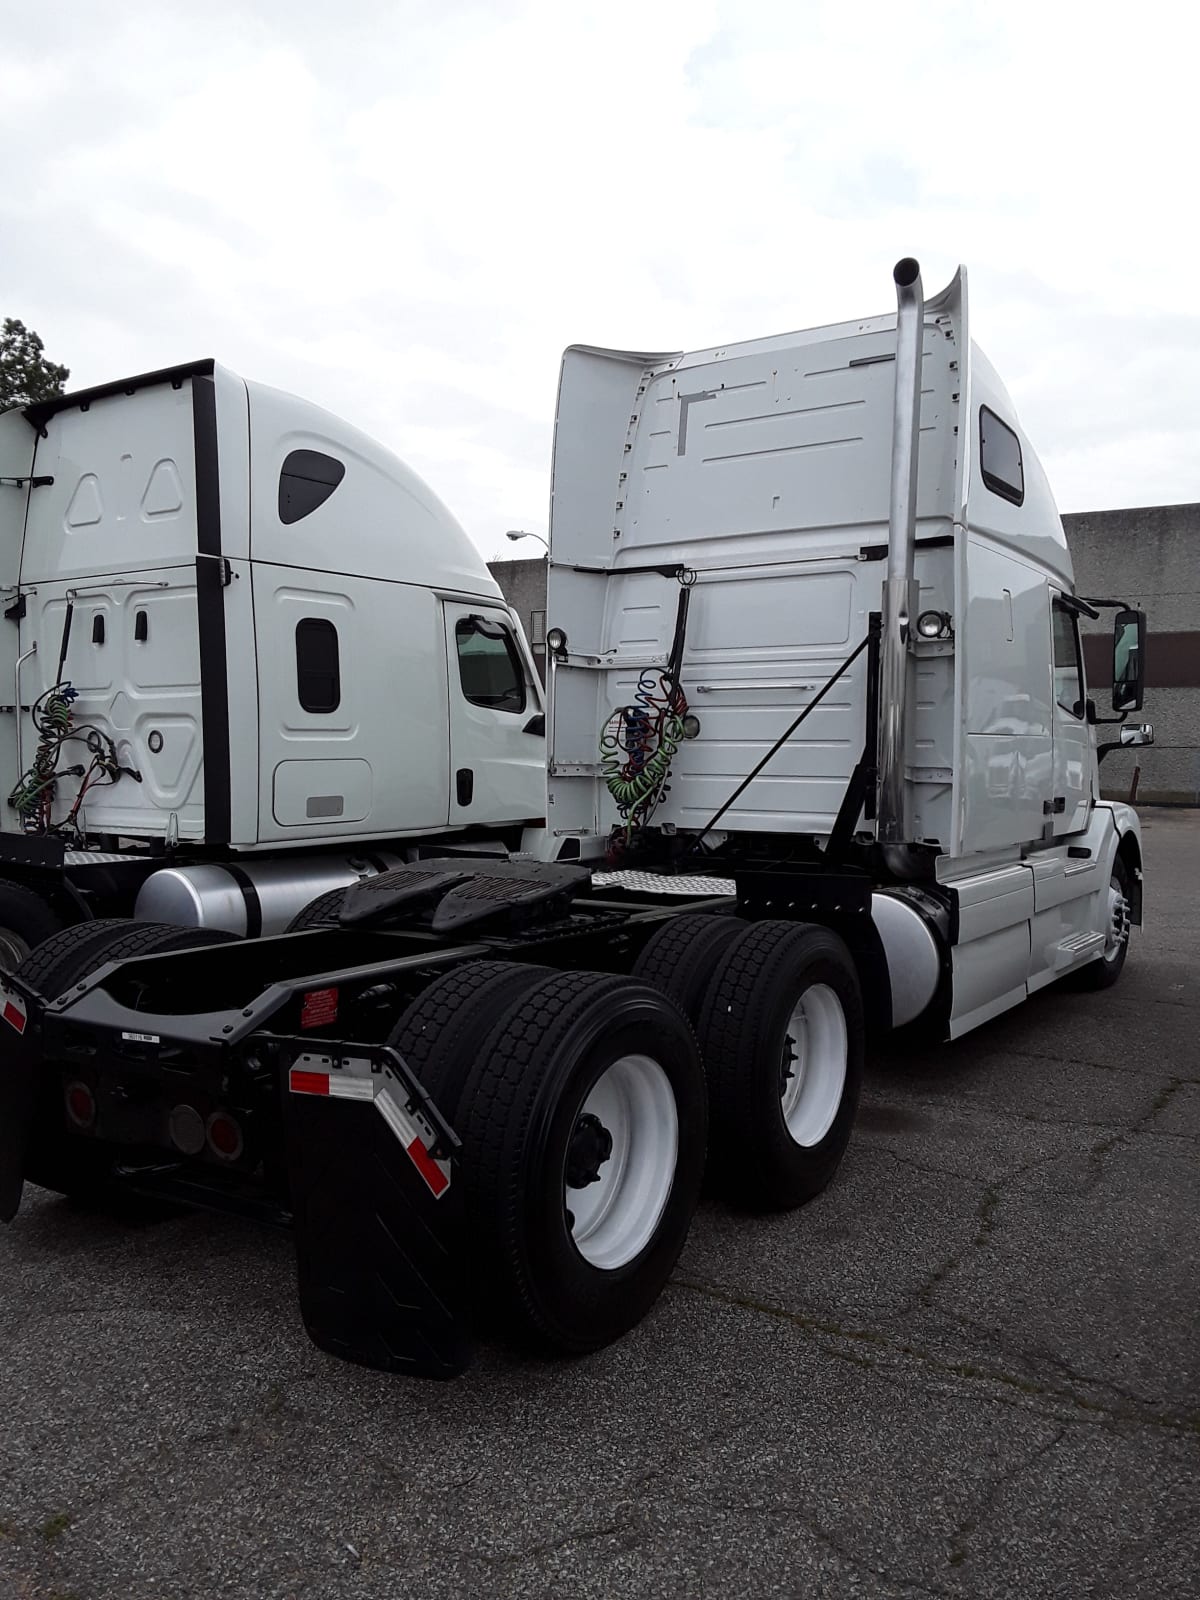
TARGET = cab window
x,y
1068,670
318,670
489,664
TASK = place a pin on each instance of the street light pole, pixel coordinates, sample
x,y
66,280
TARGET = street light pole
x,y
520,533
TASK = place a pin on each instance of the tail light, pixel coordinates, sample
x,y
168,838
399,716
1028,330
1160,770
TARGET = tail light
x,y
225,1137
81,1104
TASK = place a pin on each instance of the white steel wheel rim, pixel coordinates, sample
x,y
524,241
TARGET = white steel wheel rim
x,y
13,950
1116,930
813,1070
612,1219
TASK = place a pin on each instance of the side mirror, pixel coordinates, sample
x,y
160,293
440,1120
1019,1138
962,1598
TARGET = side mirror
x,y
1129,660
1134,733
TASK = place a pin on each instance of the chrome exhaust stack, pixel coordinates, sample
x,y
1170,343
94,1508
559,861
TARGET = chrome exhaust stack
x,y
900,593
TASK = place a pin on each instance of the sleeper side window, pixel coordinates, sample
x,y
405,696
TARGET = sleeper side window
x,y
306,480
1000,462
1068,672
318,669
489,664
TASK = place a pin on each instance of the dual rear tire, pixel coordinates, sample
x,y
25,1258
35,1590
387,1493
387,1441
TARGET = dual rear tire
x,y
579,1098
778,1012
584,1109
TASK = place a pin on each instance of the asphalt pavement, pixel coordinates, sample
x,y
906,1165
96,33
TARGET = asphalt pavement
x,y
970,1369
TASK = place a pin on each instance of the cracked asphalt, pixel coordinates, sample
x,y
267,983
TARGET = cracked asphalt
x,y
971,1368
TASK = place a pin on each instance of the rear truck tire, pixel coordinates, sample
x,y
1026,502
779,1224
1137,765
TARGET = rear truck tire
x,y
680,957
782,1035
74,952
1107,968
583,1125
67,952
319,913
26,921
440,1033
72,1163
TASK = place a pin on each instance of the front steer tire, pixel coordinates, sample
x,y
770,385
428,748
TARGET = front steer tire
x,y
1104,971
527,1138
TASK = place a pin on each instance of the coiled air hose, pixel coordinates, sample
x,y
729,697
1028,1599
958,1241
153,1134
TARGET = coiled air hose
x,y
638,744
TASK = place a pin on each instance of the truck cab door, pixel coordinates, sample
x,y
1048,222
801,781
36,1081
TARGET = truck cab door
x,y
1072,789
497,722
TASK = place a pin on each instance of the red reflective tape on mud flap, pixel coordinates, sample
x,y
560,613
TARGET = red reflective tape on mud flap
x,y
416,1141
308,1082
416,1138
14,1014
428,1168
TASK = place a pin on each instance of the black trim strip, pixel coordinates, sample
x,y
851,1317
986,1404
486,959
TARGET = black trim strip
x,y
250,895
1081,608
878,552
210,615
40,412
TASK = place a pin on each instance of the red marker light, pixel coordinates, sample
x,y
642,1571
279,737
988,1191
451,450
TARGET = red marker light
x,y
224,1136
81,1105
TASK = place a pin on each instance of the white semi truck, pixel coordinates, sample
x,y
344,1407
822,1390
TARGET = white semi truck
x,y
822,762
248,656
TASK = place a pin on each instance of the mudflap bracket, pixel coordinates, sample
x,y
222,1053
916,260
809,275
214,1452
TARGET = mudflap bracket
x,y
376,1201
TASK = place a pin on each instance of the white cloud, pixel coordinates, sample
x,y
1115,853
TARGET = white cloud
x,y
405,211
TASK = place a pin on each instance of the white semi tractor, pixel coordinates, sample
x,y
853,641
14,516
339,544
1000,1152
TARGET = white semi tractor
x,y
821,761
247,657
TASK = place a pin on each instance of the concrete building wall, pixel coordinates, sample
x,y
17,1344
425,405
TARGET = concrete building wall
x,y
523,584
1148,556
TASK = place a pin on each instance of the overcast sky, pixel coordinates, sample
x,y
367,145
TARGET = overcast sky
x,y
405,210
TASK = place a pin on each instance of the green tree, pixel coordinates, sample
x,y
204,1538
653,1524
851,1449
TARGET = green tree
x,y
25,374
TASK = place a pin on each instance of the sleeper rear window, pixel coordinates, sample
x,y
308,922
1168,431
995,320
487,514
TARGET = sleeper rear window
x,y
306,480
1000,457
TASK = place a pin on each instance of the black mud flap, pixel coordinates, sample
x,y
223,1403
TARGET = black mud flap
x,y
377,1209
20,1036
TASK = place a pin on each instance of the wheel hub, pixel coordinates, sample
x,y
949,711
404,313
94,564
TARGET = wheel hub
x,y
1118,921
787,1064
620,1162
812,1067
590,1147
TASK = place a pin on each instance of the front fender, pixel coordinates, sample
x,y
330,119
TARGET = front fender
x,y
1128,828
